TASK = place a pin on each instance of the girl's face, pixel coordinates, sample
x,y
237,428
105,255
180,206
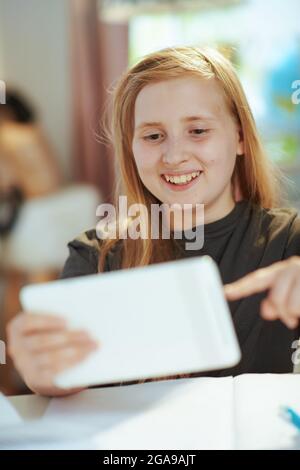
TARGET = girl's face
x,y
185,144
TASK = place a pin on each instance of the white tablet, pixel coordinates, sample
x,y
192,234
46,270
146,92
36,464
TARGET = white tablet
x,y
154,321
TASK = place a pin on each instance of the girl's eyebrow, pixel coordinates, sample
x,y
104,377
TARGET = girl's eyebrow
x,y
184,119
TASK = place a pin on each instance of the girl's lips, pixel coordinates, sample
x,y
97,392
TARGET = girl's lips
x,y
183,186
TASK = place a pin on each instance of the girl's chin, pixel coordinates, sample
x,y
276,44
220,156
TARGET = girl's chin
x,y
190,201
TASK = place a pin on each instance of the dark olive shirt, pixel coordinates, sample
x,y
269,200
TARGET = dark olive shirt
x,y
246,239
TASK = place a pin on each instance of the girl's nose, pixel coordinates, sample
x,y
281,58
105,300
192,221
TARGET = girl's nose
x,y
174,153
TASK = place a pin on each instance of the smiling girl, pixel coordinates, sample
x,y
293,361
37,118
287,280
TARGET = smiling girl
x,y
183,133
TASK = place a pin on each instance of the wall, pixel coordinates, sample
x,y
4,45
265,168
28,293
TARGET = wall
x,y
34,57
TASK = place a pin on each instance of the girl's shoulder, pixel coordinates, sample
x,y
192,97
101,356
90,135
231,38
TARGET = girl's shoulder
x,y
282,213
283,223
276,217
87,240
83,256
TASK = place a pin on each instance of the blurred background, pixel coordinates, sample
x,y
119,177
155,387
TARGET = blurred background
x,y
58,59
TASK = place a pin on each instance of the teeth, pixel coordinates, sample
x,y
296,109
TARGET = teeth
x,y
182,179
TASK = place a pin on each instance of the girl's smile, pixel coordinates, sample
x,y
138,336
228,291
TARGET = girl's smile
x,y
181,181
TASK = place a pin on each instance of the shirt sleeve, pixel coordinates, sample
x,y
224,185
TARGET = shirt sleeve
x,y
82,260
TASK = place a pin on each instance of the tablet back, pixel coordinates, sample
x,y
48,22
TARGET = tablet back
x,y
163,319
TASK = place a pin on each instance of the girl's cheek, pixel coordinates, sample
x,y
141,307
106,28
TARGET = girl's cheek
x,y
206,151
148,159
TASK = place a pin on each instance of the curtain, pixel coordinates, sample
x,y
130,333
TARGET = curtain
x,y
99,54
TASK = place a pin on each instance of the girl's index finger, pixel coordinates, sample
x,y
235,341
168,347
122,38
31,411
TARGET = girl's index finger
x,y
252,283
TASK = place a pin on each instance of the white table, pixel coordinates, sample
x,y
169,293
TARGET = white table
x,y
247,408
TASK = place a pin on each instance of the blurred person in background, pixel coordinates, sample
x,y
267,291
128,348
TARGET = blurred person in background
x,y
38,211
28,169
27,161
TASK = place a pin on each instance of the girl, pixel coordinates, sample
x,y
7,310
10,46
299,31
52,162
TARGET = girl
x,y
183,133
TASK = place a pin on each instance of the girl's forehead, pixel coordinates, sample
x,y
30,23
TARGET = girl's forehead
x,y
189,94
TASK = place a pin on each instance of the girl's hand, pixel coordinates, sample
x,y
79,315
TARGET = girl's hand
x,y
41,346
283,281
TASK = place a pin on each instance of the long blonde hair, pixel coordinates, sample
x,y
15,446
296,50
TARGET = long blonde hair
x,y
254,174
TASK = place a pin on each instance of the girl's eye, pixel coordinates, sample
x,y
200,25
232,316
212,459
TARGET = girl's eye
x,y
200,131
149,137
155,137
